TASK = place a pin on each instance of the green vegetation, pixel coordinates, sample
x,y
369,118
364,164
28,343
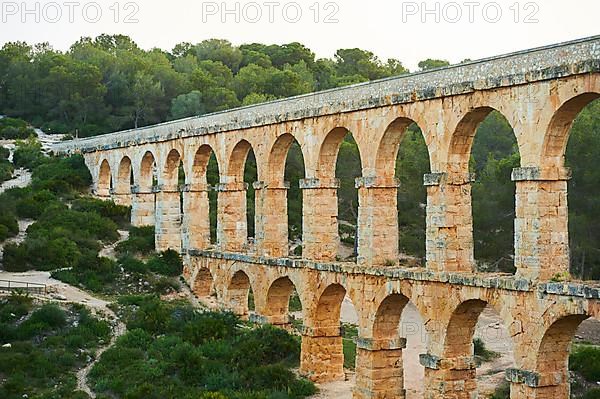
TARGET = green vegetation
x,y
48,344
502,391
349,335
483,354
172,350
139,243
6,167
585,360
108,83
12,128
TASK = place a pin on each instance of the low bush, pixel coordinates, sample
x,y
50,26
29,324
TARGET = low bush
x,y
592,394
481,352
9,227
48,344
502,391
171,350
585,360
167,263
139,243
121,215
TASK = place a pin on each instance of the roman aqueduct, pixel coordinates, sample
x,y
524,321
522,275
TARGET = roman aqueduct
x,y
539,91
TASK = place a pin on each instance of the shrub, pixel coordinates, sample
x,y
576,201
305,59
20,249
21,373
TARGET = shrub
x,y
266,345
9,227
210,326
28,154
6,170
502,391
593,393
585,360
168,263
140,242
482,352
121,215
133,265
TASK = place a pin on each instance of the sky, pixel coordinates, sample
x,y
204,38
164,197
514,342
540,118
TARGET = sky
x,y
409,31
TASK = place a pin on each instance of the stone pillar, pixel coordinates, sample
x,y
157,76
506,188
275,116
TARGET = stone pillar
x,y
271,220
532,385
121,198
168,219
449,231
541,222
377,221
195,223
379,371
322,355
449,378
143,207
320,238
232,226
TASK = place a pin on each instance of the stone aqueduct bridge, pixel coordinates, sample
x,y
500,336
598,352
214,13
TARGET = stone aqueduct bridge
x,y
539,91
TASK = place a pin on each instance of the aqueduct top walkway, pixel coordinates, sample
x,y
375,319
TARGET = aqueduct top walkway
x,y
539,91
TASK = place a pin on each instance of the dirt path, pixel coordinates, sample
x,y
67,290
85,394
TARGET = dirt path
x,y
119,329
108,251
21,178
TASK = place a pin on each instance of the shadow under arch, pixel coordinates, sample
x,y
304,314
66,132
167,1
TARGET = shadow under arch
x,y
281,198
238,293
237,161
124,176
329,152
389,146
171,171
557,135
552,361
202,158
147,177
468,339
323,356
277,302
203,286
398,337
278,156
105,182
461,142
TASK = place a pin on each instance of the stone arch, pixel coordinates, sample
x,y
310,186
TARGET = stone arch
x,y
461,142
237,161
277,159
387,151
238,293
124,175
327,313
461,328
387,316
200,166
170,174
328,153
203,283
278,300
557,134
552,365
147,171
105,182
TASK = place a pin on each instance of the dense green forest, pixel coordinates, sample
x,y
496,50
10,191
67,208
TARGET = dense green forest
x,y
108,83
